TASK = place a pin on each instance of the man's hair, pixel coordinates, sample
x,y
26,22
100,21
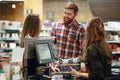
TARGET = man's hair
x,y
73,6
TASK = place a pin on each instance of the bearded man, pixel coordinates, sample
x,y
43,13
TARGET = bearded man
x,y
69,34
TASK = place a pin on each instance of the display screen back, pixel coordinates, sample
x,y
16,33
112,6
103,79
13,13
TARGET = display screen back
x,y
44,51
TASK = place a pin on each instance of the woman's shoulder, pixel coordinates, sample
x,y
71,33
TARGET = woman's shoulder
x,y
94,47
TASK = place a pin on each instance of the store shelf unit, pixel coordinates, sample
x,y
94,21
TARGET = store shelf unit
x,y
9,34
9,40
46,28
112,31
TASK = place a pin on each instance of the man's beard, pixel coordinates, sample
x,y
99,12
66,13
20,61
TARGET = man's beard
x,y
67,20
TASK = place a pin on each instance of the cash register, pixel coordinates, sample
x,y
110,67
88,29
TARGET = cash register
x,y
46,52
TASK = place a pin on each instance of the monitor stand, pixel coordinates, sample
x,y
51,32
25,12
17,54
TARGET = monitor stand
x,y
44,71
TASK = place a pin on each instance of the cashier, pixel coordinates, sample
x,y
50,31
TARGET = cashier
x,y
98,56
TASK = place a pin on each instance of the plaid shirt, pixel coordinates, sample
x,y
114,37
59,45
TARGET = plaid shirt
x,y
69,39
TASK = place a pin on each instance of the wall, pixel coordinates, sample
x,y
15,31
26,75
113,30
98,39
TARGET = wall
x,y
0,11
57,6
35,5
20,12
42,7
12,14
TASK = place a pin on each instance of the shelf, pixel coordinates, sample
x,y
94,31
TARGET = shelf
x,y
2,32
12,28
7,49
113,41
115,71
116,64
5,59
10,39
112,29
115,52
112,26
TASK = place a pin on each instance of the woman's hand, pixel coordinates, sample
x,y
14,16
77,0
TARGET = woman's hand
x,y
55,69
74,73
77,74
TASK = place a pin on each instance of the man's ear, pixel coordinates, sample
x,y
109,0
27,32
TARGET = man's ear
x,y
76,14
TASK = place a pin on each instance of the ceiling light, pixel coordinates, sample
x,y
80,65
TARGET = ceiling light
x,y
13,6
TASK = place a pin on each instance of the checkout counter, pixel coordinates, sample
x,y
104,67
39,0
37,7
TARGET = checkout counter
x,y
46,53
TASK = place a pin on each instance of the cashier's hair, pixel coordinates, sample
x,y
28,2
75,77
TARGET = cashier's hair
x,y
95,34
31,27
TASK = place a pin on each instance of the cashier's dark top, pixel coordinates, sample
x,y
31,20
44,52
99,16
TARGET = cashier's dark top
x,y
97,64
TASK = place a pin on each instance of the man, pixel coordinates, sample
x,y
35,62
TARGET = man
x,y
69,34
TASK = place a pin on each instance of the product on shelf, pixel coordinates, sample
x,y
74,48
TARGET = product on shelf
x,y
112,34
6,35
4,45
12,45
15,35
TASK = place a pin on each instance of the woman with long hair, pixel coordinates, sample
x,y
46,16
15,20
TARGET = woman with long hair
x,y
98,55
31,28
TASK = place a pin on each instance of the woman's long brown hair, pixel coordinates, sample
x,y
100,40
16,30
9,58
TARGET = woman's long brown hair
x,y
95,34
31,27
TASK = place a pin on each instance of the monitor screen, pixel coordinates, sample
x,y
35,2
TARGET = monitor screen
x,y
44,51
41,49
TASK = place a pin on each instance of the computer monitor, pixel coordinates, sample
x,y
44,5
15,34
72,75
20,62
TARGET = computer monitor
x,y
44,51
41,48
